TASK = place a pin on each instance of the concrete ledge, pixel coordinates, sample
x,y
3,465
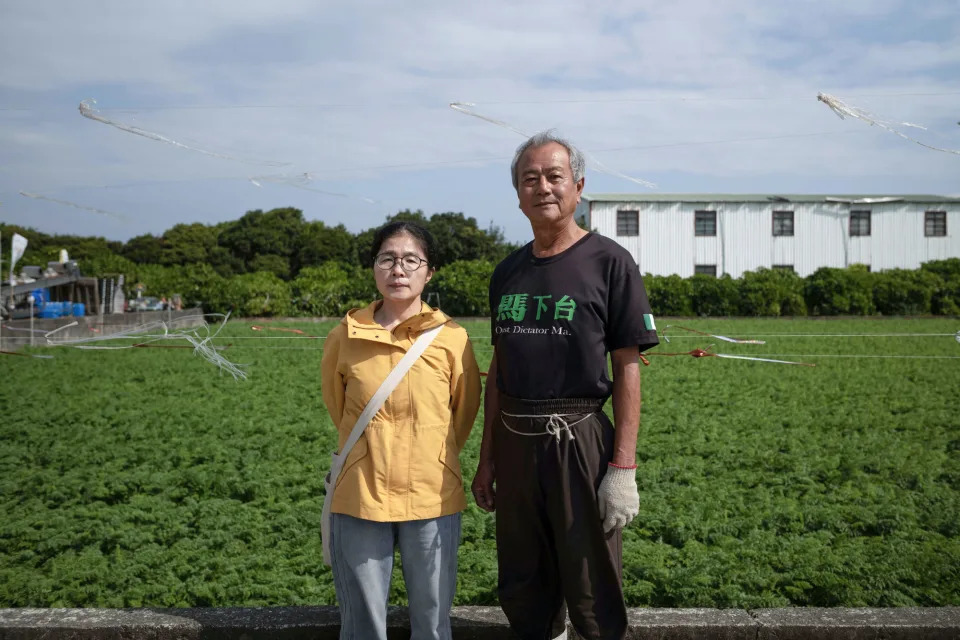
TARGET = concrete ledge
x,y
475,623
909,623
691,624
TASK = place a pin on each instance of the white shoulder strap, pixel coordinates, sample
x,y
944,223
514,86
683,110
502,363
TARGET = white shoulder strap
x,y
386,388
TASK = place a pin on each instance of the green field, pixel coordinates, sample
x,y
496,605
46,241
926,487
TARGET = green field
x,y
143,477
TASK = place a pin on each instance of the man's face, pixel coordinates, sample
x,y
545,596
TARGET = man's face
x,y
546,189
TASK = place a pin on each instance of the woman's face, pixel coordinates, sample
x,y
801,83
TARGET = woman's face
x,y
396,283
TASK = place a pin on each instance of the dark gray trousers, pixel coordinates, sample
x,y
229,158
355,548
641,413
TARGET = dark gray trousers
x,y
551,547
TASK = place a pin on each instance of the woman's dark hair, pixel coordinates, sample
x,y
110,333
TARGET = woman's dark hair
x,y
395,228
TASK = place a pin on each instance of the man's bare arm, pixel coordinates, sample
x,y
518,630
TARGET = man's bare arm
x,y
617,497
626,405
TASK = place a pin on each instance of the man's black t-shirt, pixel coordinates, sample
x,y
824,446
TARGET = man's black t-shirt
x,y
554,319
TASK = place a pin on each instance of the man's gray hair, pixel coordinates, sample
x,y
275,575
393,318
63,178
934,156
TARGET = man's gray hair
x,y
577,163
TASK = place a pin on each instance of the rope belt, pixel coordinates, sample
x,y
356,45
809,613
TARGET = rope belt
x,y
556,424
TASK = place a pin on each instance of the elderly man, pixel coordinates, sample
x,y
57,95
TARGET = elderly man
x,y
565,477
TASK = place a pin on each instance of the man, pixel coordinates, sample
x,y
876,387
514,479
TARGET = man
x,y
565,478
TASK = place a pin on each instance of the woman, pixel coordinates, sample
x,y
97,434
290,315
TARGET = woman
x,y
401,483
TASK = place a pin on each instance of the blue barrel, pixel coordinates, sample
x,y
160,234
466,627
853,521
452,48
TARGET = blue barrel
x,y
66,308
40,297
79,309
50,311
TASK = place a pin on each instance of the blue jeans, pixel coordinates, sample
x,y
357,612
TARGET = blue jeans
x,y
362,560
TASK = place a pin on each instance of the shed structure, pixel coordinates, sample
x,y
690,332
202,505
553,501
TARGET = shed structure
x,y
731,233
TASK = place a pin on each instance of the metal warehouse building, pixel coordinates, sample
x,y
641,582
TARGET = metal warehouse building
x,y
726,233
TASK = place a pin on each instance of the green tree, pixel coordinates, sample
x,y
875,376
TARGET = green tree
x,y
249,294
333,288
459,238
463,287
198,279
107,264
275,232
225,263
319,243
277,265
44,248
143,249
159,280
37,246
362,248
188,244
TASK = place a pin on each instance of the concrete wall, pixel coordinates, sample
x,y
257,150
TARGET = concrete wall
x,y
476,623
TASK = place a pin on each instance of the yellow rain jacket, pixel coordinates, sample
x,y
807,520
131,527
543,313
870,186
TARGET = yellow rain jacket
x,y
406,466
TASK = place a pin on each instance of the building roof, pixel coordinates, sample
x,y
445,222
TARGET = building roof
x,y
43,283
766,197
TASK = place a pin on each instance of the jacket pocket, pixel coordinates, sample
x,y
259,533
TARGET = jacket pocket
x,y
358,453
450,459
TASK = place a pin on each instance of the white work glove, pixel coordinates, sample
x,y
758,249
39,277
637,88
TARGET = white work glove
x,y
618,498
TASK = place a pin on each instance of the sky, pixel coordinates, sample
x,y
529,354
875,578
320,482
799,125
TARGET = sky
x,y
342,109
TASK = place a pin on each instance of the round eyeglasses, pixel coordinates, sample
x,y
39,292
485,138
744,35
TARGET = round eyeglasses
x,y
409,262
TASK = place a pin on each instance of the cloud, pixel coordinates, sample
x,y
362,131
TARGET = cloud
x,y
358,93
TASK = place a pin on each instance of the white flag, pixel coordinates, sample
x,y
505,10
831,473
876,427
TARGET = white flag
x,y
18,246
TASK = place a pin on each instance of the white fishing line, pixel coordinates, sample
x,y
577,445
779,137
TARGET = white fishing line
x,y
464,108
302,181
37,196
88,110
843,109
202,344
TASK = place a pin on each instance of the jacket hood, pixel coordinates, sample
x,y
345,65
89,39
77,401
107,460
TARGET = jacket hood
x,y
362,322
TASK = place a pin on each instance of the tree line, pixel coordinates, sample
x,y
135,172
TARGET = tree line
x,y
278,241
275,263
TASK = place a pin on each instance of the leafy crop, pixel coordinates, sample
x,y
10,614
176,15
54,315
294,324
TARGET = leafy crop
x,y
144,478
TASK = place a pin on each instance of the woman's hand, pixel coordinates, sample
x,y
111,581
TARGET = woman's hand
x,y
483,491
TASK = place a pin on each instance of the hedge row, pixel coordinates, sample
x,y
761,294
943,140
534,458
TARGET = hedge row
x,y
461,290
934,288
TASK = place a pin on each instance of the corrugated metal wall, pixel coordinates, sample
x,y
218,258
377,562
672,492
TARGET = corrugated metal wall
x,y
666,243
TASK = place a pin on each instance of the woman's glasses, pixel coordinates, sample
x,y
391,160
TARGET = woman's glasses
x,y
409,262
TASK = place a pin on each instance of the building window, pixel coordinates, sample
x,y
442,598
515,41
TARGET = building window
x,y
783,223
705,223
859,223
785,267
705,269
935,223
628,223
